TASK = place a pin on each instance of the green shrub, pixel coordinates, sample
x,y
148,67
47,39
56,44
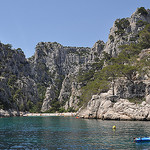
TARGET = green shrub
x,y
5,105
82,77
36,108
55,107
1,105
106,56
95,53
98,65
111,38
121,24
29,105
8,46
21,107
11,80
70,109
119,32
18,94
144,37
136,100
96,59
92,88
125,38
41,91
61,110
130,50
142,11
141,23
134,38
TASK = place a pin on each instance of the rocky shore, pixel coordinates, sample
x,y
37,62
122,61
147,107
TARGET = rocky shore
x,y
121,110
10,113
103,107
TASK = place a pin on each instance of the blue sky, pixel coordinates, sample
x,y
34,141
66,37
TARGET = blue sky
x,y
24,23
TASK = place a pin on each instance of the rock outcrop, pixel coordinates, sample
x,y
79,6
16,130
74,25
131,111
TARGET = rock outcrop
x,y
10,113
50,95
118,107
121,110
125,31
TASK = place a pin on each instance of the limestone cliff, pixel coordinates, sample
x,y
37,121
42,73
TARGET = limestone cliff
x,y
55,77
17,86
125,31
120,106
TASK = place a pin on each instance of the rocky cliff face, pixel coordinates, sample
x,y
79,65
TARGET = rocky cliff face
x,y
125,31
49,75
16,84
50,78
121,110
125,99
60,68
120,106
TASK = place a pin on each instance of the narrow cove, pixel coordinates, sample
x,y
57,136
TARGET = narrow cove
x,y
58,132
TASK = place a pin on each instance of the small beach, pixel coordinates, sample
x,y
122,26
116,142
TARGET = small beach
x,y
49,114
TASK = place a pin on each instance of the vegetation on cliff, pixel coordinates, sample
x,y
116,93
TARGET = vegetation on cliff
x,y
127,64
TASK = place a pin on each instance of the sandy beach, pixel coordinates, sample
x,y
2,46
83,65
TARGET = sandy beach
x,y
49,114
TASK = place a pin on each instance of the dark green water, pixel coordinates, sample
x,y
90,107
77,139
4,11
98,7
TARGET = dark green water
x,y
70,133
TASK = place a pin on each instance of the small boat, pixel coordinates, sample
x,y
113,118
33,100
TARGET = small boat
x,y
142,139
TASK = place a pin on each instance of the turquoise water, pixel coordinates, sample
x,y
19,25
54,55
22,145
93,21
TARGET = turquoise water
x,y
69,133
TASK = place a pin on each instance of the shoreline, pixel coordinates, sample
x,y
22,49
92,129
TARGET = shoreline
x,y
14,113
49,114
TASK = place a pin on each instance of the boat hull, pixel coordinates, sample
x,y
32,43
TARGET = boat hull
x,y
144,139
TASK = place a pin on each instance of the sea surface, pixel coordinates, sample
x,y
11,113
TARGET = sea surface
x,y
69,133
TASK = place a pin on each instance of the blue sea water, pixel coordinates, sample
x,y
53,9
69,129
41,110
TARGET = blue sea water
x,y
69,133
